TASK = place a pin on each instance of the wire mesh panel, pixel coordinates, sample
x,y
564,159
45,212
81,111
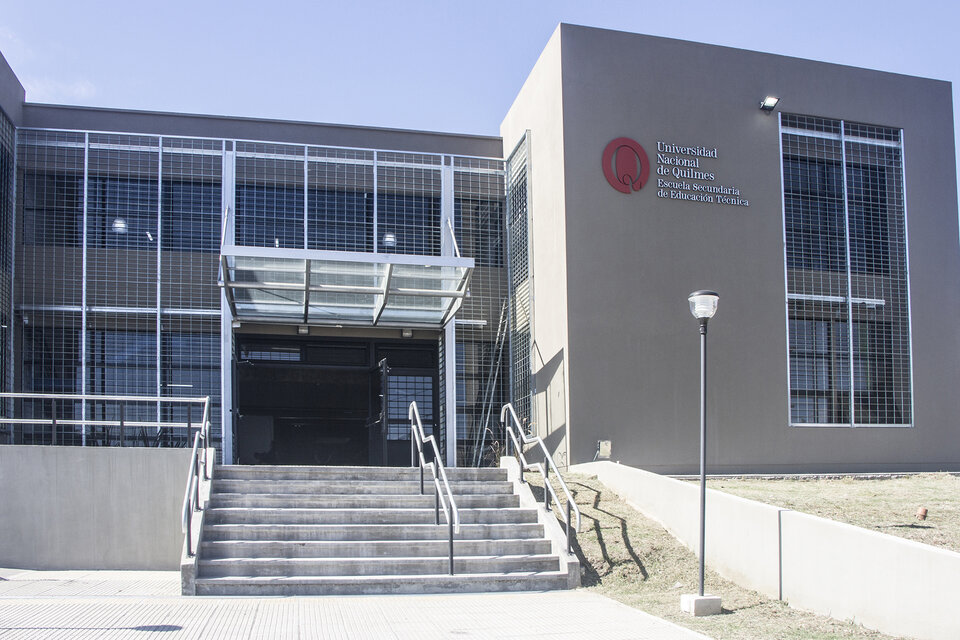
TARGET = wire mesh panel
x,y
191,211
519,240
340,199
482,324
847,290
50,230
48,327
122,221
190,368
7,201
408,204
880,313
402,390
269,195
50,348
7,184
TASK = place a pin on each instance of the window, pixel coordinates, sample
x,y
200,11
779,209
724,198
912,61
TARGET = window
x,y
847,289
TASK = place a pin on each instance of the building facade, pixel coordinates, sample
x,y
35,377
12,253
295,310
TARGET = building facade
x,y
314,279
828,225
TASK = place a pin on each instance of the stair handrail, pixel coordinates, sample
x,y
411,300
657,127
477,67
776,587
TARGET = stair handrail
x,y
515,433
447,503
199,468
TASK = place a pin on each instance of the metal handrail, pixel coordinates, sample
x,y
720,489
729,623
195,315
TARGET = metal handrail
x,y
520,437
54,421
418,440
198,460
453,237
191,496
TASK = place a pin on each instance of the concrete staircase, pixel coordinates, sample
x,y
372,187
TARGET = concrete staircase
x,y
288,530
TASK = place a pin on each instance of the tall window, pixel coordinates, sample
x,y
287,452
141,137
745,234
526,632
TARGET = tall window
x,y
847,291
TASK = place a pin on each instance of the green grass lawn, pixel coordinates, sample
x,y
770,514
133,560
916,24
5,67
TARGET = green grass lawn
x,y
631,558
887,505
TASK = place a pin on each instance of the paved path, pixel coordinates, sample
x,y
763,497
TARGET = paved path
x,y
147,605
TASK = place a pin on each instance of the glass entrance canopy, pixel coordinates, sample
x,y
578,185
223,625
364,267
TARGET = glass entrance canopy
x,y
342,288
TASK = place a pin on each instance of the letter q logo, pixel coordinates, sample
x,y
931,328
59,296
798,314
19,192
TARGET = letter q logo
x,y
625,165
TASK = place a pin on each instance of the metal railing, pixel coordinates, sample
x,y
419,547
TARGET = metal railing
x,y
515,434
199,464
51,409
448,504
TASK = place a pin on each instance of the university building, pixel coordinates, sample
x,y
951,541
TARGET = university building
x,y
314,279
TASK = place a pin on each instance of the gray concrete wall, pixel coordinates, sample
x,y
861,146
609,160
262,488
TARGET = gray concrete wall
x,y
46,116
896,586
539,109
11,93
91,507
632,259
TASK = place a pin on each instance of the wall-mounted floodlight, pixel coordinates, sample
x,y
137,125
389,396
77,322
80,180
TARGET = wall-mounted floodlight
x,y
769,103
389,239
303,330
119,225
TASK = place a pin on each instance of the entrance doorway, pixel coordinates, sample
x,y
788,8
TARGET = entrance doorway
x,y
329,401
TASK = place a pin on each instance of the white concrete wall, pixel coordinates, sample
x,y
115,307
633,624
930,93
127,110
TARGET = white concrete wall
x,y
886,583
91,507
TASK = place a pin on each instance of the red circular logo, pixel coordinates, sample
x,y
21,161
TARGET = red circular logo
x,y
625,165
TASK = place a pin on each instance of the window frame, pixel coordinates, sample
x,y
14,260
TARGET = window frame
x,y
852,303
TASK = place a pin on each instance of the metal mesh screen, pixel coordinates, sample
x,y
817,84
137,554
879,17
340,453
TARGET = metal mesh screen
x,y
270,195
847,288
118,245
408,204
482,336
49,268
7,186
405,389
116,233
521,321
340,199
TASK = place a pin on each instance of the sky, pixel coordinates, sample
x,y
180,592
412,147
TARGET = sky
x,y
452,65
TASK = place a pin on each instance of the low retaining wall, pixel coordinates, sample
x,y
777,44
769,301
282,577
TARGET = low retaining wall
x,y
91,507
896,586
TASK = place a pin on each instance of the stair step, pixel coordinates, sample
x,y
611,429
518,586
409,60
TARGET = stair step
x,y
360,585
331,501
378,487
308,530
393,566
371,549
357,532
295,472
231,515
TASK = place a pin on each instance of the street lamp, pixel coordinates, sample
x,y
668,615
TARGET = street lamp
x,y
703,305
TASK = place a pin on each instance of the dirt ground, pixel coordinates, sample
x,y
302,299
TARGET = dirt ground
x,y
631,558
884,504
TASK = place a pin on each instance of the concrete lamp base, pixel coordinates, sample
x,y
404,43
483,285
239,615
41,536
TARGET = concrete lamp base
x,y
695,605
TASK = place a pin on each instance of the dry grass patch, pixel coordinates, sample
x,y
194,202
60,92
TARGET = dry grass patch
x,y
631,558
888,505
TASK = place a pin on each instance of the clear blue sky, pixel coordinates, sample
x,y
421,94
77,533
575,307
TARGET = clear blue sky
x,y
439,65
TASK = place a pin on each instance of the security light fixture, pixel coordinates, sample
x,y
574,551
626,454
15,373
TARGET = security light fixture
x,y
769,103
703,304
389,239
119,225
406,333
303,330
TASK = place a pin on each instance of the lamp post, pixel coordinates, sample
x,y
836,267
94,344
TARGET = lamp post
x,y
703,305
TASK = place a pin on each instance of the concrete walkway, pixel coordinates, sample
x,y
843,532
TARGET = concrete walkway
x,y
147,604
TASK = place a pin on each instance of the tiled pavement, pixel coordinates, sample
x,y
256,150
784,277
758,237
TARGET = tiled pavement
x,y
147,605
